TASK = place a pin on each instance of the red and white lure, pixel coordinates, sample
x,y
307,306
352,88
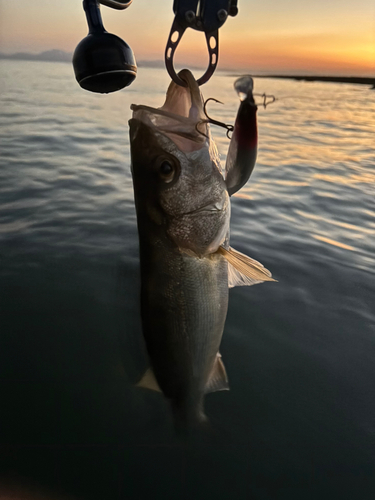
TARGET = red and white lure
x,y
243,147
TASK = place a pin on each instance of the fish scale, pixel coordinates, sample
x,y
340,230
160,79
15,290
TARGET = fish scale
x,y
191,310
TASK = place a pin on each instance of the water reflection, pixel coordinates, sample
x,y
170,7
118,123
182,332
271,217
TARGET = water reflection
x,y
299,355
334,243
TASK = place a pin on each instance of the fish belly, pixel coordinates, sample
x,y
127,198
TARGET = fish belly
x,y
184,301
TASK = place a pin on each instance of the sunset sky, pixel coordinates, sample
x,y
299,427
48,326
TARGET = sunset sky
x,y
319,37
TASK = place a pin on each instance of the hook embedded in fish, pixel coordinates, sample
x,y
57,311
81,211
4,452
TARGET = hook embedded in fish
x,y
229,128
183,212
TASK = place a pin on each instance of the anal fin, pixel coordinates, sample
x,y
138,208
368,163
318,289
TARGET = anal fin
x,y
148,381
218,380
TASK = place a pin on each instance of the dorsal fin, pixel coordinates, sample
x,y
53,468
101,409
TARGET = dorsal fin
x,y
148,381
218,380
242,270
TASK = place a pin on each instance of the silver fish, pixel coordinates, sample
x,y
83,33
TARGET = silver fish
x,y
183,213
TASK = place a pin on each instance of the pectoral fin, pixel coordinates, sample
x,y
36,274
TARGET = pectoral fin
x,y
218,380
242,270
148,381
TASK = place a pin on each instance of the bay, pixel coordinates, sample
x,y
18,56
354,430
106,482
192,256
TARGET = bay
x,y
299,420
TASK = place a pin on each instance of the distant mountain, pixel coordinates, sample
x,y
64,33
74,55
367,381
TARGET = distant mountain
x,y
61,56
150,64
49,55
161,64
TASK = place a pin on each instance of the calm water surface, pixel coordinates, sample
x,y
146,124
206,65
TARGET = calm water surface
x,y
299,421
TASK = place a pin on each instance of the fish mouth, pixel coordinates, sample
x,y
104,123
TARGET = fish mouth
x,y
181,118
212,207
218,206
186,102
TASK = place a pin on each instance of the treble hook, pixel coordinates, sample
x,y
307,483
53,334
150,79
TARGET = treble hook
x,y
265,103
229,128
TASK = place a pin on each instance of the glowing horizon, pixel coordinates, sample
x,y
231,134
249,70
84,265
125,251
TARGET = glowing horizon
x,y
283,36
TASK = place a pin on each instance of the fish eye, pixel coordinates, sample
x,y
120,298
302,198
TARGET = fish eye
x,y
166,170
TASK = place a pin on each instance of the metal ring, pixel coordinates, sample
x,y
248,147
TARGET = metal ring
x,y
170,49
212,38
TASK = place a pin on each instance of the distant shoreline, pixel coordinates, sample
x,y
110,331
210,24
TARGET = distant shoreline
x,y
334,79
61,56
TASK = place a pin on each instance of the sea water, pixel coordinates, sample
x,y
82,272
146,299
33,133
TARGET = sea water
x,y
299,420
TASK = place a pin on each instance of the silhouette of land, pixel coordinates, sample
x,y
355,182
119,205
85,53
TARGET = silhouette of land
x,y
335,79
61,56
49,55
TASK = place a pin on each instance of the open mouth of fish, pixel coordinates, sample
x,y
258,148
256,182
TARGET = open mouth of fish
x,y
218,206
181,117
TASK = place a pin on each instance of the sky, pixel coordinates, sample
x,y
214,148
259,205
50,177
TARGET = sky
x,y
326,37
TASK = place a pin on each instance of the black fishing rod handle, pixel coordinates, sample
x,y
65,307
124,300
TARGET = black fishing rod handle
x,y
116,4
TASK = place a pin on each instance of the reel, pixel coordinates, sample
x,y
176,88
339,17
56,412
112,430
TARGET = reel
x,y
103,62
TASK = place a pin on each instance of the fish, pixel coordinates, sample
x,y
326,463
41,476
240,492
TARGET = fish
x,y
182,204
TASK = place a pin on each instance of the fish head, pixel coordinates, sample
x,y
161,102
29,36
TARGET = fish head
x,y
176,170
